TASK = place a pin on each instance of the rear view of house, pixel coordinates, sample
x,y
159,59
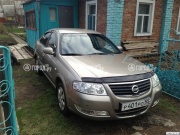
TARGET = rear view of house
x,y
123,21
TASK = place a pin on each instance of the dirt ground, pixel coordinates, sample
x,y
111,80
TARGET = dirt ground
x,y
38,112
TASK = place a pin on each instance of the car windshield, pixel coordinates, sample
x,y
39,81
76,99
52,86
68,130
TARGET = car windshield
x,y
87,44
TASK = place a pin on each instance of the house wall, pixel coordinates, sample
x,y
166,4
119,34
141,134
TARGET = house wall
x,y
32,35
166,24
45,16
114,20
101,15
129,21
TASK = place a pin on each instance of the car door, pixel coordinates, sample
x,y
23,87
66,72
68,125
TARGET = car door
x,y
51,60
41,44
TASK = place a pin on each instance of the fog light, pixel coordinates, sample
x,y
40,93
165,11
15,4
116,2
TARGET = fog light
x,y
102,113
91,112
155,103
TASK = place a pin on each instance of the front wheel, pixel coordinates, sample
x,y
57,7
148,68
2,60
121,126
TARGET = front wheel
x,y
62,100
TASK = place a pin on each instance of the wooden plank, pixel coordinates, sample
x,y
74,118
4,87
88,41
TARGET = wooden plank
x,y
141,46
137,47
12,48
21,45
129,42
135,54
24,53
17,54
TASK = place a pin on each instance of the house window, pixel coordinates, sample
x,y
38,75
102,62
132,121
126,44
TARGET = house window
x,y
178,24
52,12
91,14
144,17
31,20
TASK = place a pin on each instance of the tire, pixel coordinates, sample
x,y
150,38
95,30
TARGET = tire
x,y
38,71
61,96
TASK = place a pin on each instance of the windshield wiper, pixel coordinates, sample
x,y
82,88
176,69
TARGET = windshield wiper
x,y
71,54
97,54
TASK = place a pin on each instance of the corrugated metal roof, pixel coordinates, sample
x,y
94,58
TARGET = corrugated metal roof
x,y
28,1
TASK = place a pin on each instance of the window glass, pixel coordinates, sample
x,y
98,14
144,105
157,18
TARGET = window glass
x,y
52,40
139,24
92,9
145,24
104,44
144,18
144,9
31,20
179,25
91,16
52,14
87,44
45,38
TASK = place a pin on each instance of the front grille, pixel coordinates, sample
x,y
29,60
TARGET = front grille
x,y
126,89
130,112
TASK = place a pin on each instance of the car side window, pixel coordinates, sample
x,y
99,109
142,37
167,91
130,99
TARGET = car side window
x,y
52,41
45,38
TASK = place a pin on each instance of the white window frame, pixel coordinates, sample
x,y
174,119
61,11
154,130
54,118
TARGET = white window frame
x,y
151,17
88,4
178,32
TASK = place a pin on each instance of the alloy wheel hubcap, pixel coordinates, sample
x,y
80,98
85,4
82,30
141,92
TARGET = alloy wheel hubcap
x,y
61,98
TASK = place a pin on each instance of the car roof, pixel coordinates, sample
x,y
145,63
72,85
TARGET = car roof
x,y
75,30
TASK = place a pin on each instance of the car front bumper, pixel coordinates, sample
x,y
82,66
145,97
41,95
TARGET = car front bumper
x,y
109,107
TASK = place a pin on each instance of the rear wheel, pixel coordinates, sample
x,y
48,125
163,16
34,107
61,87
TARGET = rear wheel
x,y
39,72
62,99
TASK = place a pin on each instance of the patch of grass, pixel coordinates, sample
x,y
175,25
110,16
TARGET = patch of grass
x,y
5,37
37,109
3,29
21,35
43,117
168,105
15,29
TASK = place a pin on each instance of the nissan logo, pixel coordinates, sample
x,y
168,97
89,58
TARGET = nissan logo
x,y
135,89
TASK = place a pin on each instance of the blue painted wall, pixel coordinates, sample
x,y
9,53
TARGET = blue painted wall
x,y
166,24
114,20
32,35
43,22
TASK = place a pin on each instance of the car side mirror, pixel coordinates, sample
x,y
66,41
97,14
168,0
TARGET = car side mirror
x,y
48,50
120,48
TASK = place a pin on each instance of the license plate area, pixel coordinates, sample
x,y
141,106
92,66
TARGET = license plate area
x,y
135,104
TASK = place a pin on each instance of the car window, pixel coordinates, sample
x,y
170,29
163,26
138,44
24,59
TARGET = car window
x,y
103,44
87,44
45,38
52,40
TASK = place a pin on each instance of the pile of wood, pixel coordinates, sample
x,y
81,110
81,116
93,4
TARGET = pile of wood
x,y
140,48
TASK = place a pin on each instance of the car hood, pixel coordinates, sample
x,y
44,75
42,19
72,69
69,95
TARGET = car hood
x,y
106,65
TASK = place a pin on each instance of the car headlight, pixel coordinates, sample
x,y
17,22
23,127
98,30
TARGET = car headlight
x,y
89,88
155,80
